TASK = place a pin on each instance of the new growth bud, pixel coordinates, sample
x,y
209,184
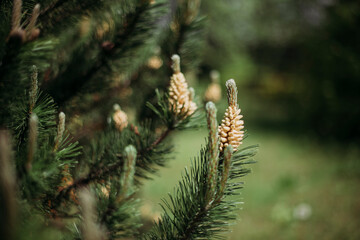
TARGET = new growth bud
x,y
230,130
34,88
213,148
32,22
127,177
180,96
16,14
19,35
213,92
175,63
231,92
60,131
32,141
215,76
90,230
120,118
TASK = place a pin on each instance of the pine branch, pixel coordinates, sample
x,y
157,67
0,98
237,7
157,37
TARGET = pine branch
x,y
157,141
186,33
108,171
131,28
199,207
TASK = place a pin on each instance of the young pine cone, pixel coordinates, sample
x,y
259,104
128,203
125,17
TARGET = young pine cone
x,y
180,97
213,92
230,130
120,118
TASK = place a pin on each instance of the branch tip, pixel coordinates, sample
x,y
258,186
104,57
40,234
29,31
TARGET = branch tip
x,y
231,92
176,63
32,142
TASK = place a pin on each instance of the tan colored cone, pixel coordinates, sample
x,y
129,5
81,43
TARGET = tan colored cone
x,y
179,95
231,128
120,119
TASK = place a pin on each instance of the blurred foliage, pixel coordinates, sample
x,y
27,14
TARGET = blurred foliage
x,y
300,58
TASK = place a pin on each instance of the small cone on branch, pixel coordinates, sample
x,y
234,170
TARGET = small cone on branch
x,y
213,92
230,130
120,118
180,97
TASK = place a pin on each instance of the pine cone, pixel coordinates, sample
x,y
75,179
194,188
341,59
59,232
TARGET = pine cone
x,y
179,95
120,118
230,130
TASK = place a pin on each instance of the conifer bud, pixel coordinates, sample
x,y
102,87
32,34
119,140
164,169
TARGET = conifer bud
x,y
191,93
32,21
175,63
231,92
60,130
34,88
213,148
127,176
7,187
16,14
215,76
90,229
230,130
226,170
213,92
120,118
155,62
32,141
180,97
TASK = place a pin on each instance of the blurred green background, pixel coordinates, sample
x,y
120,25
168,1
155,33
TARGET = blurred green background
x,y
297,66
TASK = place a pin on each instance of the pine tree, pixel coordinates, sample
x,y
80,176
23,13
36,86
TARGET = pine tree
x,y
76,144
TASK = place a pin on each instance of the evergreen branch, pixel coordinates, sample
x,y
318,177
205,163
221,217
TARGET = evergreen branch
x,y
156,142
101,173
63,12
198,208
185,34
164,110
189,214
46,11
131,28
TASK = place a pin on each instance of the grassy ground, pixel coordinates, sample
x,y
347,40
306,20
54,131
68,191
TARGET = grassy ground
x,y
318,181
